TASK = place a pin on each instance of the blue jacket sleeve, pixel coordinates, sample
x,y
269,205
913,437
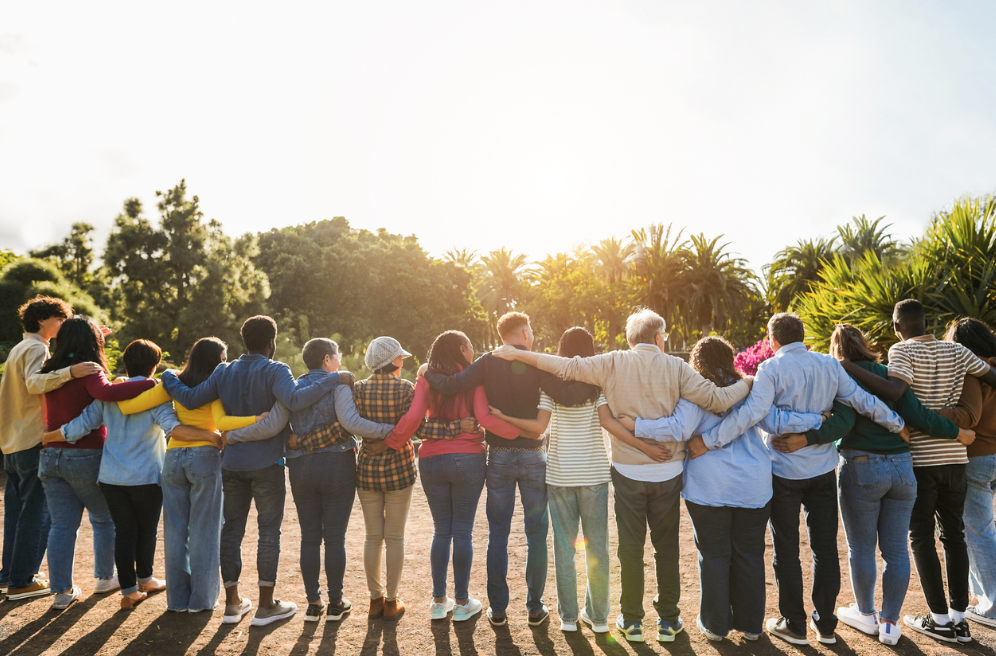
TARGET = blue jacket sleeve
x,y
680,426
195,397
782,422
165,416
287,391
754,409
89,420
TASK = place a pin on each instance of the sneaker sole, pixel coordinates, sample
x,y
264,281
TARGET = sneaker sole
x,y
928,633
888,641
312,618
335,618
789,639
857,626
983,620
270,620
964,640
467,617
629,638
495,623
667,638
29,595
235,619
537,622
595,629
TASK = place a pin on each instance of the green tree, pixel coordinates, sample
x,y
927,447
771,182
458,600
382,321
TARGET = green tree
x,y
716,287
568,292
795,270
659,263
862,236
183,279
73,255
614,257
504,284
6,257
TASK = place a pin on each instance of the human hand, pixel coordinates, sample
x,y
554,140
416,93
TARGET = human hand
x,y
346,378
531,435
53,436
220,440
506,352
105,331
84,369
905,434
292,441
375,447
697,447
262,416
826,414
469,425
496,412
657,451
750,381
628,422
789,443
966,436
422,369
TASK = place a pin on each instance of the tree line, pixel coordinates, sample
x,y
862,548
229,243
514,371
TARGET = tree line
x,y
178,277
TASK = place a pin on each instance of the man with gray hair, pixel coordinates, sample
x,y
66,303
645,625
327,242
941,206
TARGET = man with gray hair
x,y
643,382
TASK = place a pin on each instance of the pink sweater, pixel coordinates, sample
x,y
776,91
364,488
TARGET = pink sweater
x,y
462,443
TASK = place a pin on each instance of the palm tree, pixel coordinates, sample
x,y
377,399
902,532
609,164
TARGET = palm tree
x,y
462,258
716,286
658,264
614,258
504,282
867,237
796,269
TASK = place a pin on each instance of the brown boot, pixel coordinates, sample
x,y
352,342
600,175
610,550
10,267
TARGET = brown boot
x,y
393,609
376,607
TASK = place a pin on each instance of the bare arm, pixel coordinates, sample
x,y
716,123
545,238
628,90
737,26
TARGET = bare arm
x,y
537,425
890,389
658,451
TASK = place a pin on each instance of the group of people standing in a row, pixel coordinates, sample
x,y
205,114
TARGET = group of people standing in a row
x,y
744,453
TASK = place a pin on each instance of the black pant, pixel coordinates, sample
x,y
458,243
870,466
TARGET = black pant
x,y
817,497
731,566
940,493
135,510
638,504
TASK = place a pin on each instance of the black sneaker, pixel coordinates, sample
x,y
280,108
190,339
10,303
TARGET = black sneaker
x,y
497,619
962,632
314,612
335,612
540,617
926,625
780,627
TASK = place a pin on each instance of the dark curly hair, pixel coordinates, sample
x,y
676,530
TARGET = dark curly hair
x,y
40,308
712,357
79,340
974,335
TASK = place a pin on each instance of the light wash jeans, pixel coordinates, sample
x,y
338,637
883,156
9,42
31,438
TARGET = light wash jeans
x,y
877,493
192,521
588,504
69,477
980,532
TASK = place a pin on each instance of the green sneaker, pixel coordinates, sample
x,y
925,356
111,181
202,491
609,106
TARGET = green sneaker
x,y
632,630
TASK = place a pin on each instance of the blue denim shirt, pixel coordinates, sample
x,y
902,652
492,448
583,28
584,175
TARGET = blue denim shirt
x,y
737,474
337,405
135,447
250,386
803,381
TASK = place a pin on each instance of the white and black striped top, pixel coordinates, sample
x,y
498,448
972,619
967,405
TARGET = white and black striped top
x,y
577,454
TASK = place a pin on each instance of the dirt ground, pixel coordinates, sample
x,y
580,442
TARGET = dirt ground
x,y
95,625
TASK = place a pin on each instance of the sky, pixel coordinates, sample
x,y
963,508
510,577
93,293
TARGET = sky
x,y
538,126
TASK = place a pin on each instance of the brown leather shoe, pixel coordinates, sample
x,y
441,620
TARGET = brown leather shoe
x,y
393,609
376,607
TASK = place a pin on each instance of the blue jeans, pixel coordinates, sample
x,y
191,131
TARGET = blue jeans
x,y
528,470
589,505
70,480
980,532
877,493
25,519
324,486
452,484
192,521
268,488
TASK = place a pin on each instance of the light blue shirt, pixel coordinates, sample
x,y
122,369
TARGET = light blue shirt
x,y
737,474
802,381
135,446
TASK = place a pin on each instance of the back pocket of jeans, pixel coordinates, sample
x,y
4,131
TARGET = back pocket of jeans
x,y
863,472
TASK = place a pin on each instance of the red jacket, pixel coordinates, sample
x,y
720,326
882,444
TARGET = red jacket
x,y
67,403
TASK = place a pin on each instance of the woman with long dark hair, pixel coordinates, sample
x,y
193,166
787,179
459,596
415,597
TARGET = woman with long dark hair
x,y
977,410
453,472
191,481
69,470
577,480
877,490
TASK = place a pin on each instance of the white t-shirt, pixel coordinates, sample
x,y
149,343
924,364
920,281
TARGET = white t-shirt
x,y
577,454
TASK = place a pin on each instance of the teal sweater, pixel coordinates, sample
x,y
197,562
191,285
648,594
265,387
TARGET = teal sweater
x,y
853,431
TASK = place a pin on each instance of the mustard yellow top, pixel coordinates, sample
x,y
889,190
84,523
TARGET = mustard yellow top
x,y
210,417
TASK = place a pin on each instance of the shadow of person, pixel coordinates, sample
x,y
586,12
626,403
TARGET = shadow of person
x,y
504,644
93,641
303,644
327,646
180,629
578,643
219,636
542,640
60,623
441,637
465,635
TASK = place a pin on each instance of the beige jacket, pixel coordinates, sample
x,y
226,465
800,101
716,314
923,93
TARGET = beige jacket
x,y
22,406
643,382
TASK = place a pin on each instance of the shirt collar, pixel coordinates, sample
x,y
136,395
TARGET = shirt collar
x,y
791,348
923,338
36,337
651,348
318,372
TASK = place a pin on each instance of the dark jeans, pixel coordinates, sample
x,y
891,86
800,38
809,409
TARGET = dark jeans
x,y
267,487
324,486
940,494
730,542
528,470
452,483
817,497
135,510
25,519
637,505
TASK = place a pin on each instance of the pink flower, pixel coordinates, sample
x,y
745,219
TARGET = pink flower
x,y
748,360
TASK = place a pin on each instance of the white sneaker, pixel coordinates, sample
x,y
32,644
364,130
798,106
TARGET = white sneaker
x,y
854,618
568,626
888,633
825,639
103,586
235,612
63,599
715,637
468,610
973,614
596,628
280,610
438,610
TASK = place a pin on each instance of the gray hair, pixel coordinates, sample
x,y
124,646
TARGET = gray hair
x,y
642,327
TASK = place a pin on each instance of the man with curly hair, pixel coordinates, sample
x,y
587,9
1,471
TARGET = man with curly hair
x,y
26,519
